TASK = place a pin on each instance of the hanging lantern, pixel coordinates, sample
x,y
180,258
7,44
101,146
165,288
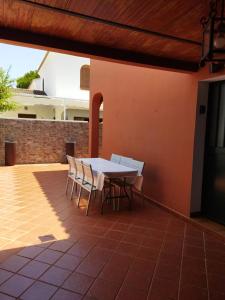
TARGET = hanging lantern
x,y
213,43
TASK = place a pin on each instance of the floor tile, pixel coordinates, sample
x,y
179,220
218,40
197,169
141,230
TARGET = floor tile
x,y
62,245
121,260
143,266
34,269
193,293
133,238
62,294
151,242
6,297
49,256
55,276
4,275
78,283
120,227
168,271
194,278
214,268
69,262
100,254
137,280
113,273
131,294
30,251
108,243
115,235
192,251
127,249
90,267
164,289
216,283
14,263
39,290
102,290
193,264
81,248
16,285
122,249
148,253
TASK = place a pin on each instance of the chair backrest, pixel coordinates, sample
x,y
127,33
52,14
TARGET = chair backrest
x,y
72,167
88,173
79,168
115,158
125,161
137,165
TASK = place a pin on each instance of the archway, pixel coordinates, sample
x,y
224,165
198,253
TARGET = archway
x,y
95,104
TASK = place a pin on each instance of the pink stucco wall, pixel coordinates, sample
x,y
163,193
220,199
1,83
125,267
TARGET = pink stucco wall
x,y
150,115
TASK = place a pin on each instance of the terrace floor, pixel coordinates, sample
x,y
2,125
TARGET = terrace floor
x,y
49,249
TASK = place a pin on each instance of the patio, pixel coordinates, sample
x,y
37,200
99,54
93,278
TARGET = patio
x,y
50,249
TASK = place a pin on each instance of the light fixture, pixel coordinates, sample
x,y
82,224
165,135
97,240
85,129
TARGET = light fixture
x,y
213,43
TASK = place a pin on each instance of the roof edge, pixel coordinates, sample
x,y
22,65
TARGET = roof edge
x,y
43,60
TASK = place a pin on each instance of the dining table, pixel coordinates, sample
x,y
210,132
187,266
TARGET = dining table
x,y
107,171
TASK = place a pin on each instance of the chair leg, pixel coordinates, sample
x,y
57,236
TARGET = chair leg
x,y
72,190
118,201
114,199
79,196
89,199
67,184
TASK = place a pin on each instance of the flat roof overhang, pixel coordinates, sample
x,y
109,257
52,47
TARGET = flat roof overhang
x,y
90,30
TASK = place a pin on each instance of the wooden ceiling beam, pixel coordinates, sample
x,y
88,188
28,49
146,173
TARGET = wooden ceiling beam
x,y
108,22
54,43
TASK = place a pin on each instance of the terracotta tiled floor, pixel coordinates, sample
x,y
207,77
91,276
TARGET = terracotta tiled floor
x,y
49,249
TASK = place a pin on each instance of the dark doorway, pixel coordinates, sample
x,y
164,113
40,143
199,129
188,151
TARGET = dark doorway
x,y
213,204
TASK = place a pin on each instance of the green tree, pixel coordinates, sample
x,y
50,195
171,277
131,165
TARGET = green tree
x,y
24,81
6,103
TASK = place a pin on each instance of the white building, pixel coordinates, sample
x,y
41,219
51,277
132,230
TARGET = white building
x,y
60,76
63,90
31,104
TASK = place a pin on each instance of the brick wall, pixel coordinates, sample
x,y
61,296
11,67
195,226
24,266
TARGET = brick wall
x,y
42,141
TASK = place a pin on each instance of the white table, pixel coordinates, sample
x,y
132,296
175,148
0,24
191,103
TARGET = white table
x,y
103,168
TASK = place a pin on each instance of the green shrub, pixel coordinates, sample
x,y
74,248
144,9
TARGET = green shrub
x,y
24,81
6,103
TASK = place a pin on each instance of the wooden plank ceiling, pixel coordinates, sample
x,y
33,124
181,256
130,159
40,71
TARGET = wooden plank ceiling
x,y
157,33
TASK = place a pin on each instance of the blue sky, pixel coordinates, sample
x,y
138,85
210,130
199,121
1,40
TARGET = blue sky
x,y
20,59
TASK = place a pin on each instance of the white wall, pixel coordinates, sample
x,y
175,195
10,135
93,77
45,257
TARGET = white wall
x,y
48,73
61,75
36,84
42,112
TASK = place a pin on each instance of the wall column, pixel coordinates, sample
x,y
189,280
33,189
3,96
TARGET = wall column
x,y
58,112
95,104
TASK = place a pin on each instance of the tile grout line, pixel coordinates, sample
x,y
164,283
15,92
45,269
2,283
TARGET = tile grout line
x,y
51,284
49,266
157,261
181,264
130,225
130,264
206,269
113,251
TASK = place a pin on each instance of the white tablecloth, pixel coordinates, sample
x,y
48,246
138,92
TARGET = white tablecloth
x,y
103,168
